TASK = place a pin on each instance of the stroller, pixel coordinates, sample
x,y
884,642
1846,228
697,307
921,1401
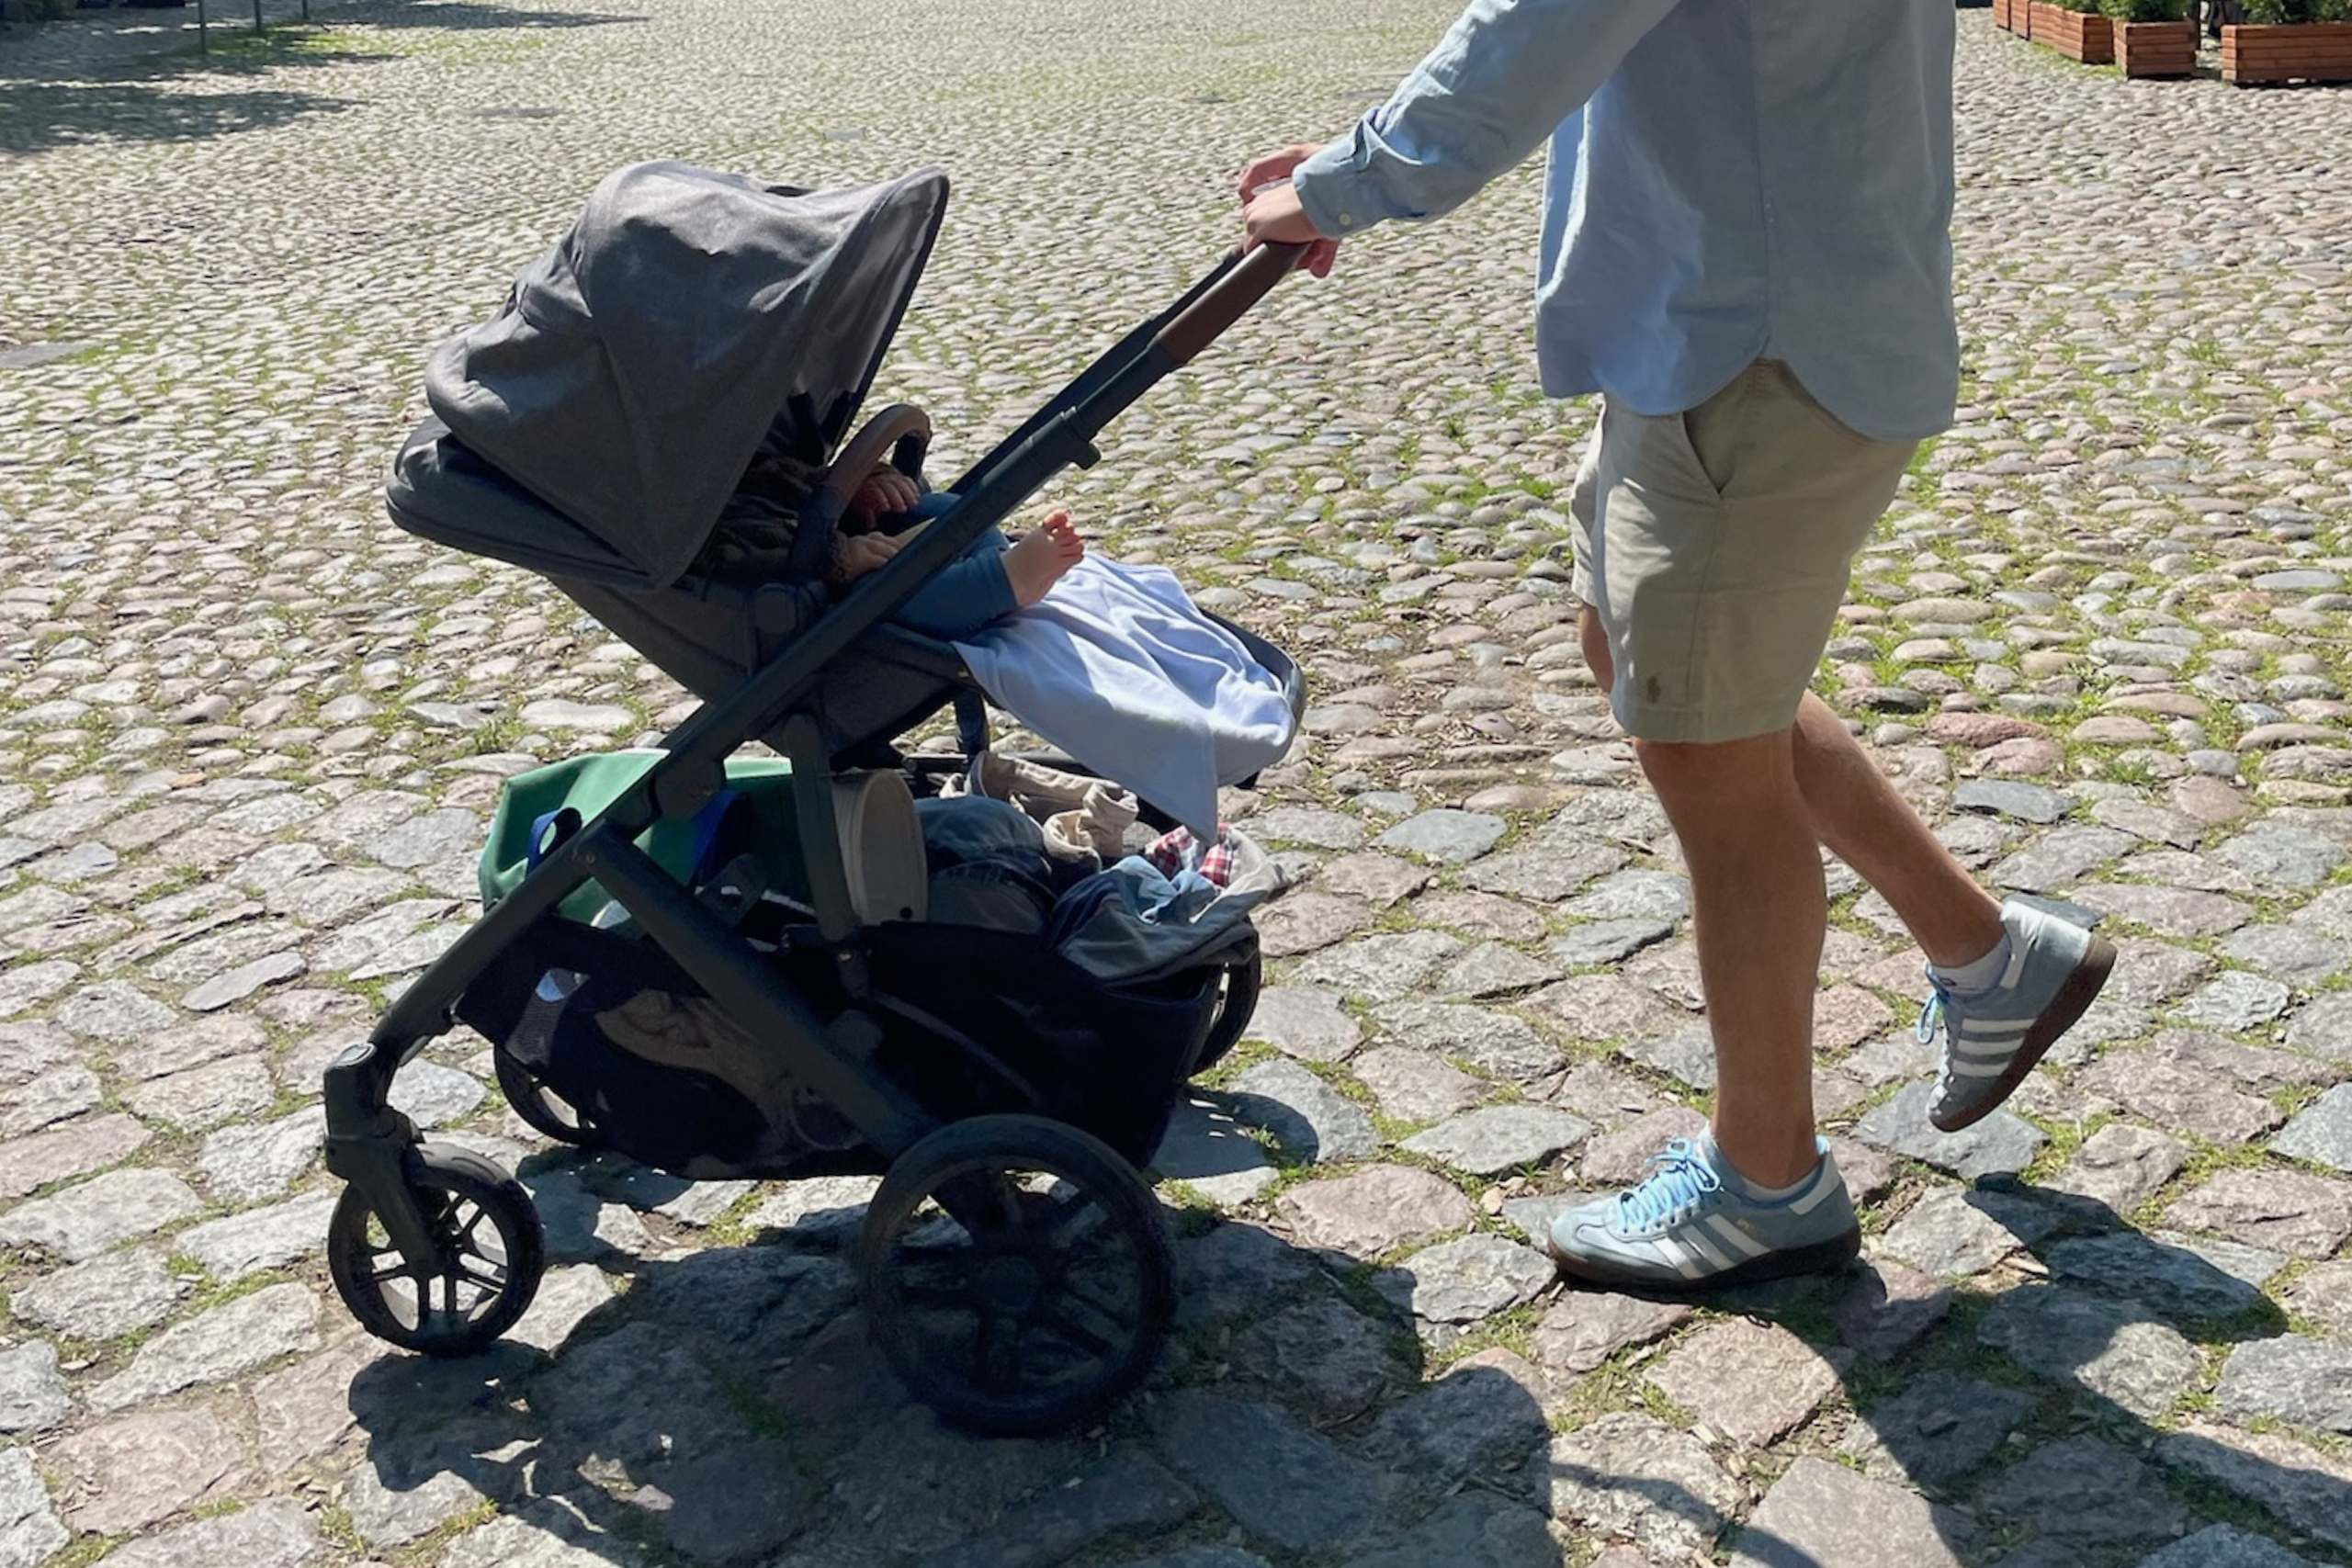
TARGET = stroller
x,y
643,990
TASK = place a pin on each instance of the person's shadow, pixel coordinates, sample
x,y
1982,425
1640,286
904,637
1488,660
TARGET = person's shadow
x,y
2031,1422
723,1406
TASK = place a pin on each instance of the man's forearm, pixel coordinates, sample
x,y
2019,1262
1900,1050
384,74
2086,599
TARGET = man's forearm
x,y
1505,75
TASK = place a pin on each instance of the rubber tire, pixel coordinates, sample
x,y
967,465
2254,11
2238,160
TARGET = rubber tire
x,y
1028,1142
447,1168
1242,985
523,1093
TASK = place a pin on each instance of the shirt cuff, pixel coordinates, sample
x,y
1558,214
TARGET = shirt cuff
x,y
1334,193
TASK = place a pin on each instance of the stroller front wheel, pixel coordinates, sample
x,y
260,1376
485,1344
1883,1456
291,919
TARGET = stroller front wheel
x,y
1016,1274
488,1255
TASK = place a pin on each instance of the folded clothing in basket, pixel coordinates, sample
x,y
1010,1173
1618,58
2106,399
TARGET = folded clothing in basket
x,y
989,868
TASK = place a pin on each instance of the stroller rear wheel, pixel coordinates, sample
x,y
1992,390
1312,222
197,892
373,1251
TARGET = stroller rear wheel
x,y
1016,1273
489,1255
541,1108
1238,1001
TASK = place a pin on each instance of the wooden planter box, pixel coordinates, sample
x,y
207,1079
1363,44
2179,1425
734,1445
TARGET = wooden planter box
x,y
2305,52
2005,16
2156,49
2078,35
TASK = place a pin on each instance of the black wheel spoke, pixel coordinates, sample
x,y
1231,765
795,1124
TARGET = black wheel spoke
x,y
1065,1224
1055,1292
1062,1322
1011,1214
996,1353
1114,1311
493,1285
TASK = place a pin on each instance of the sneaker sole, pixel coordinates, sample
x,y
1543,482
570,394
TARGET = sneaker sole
x,y
2065,1010
1821,1258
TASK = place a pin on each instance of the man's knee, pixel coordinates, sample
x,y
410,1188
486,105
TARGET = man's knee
x,y
1725,773
1595,638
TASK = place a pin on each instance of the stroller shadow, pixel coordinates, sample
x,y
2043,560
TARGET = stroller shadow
x,y
723,1406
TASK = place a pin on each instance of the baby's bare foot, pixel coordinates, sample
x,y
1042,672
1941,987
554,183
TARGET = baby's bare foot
x,y
1039,561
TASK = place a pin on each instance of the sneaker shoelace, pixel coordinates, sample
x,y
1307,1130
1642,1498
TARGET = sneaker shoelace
x,y
1678,1180
1932,1011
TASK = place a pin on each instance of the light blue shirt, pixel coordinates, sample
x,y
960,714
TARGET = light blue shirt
x,y
1730,180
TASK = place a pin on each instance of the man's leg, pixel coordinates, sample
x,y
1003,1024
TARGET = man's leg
x,y
1760,911
1715,544
1747,819
1866,822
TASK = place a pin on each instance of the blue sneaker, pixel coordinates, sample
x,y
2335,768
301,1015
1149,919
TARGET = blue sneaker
x,y
1994,1037
1683,1227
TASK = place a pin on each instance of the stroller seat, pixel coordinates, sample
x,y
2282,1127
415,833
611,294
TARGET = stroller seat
x,y
711,635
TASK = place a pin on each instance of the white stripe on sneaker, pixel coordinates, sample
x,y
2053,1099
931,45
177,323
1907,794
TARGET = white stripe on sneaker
x,y
1989,1028
1824,1182
1986,1051
1695,1238
1675,1256
1738,1237
1978,1069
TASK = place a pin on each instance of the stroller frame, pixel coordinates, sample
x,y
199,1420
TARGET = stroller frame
x,y
414,1191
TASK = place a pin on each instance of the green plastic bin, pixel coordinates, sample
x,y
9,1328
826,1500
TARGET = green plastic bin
x,y
757,818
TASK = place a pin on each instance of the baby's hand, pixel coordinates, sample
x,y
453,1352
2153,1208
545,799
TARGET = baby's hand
x,y
885,493
861,553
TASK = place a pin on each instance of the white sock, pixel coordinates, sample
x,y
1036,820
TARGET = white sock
x,y
1747,1188
1982,972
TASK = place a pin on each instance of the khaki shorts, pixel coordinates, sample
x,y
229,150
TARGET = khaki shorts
x,y
1716,545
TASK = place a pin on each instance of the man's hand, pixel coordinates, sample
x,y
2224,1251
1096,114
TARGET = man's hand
x,y
1273,217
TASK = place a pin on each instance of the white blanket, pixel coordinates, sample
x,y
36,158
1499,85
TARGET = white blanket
x,y
1118,668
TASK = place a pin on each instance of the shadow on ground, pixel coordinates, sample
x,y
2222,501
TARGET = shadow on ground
x,y
46,101
725,1405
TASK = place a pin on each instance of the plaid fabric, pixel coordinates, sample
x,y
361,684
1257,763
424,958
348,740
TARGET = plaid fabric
x,y
1179,851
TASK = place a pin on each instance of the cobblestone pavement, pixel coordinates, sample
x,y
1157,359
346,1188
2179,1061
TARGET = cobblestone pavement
x,y
249,736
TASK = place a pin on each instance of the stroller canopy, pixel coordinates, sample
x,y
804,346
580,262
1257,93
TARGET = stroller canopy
x,y
640,363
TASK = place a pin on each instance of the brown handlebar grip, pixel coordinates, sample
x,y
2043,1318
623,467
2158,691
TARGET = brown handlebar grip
x,y
873,446
1252,279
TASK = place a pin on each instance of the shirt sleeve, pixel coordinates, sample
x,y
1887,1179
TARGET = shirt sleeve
x,y
1503,78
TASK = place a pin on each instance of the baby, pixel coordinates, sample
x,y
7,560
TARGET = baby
x,y
991,580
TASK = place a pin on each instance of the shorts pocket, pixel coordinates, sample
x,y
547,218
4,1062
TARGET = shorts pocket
x,y
1713,435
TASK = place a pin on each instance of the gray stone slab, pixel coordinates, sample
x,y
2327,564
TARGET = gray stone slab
x,y
1629,1477
1467,1279
2097,1349
1309,1118
2321,1131
2085,1492
1283,1484
2304,1383
1827,1516
1497,1138
2001,1144
1374,1210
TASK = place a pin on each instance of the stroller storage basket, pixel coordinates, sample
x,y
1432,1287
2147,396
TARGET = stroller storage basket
x,y
973,1021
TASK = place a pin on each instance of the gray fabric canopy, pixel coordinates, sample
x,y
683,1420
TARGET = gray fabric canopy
x,y
640,363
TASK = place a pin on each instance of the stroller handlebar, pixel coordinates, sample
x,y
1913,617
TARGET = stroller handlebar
x,y
1242,285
